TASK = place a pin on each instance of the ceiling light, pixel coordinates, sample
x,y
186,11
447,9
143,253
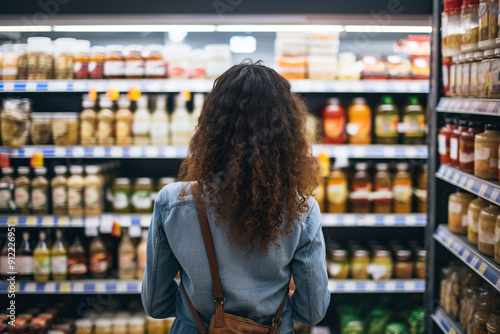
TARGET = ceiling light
x,y
243,44
389,29
25,28
134,28
277,28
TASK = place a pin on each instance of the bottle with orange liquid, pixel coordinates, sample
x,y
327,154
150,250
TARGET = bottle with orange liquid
x,y
359,128
333,122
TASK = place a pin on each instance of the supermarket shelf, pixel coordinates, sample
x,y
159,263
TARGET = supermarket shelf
x,y
348,220
205,85
82,286
444,322
468,253
179,152
488,190
126,220
396,286
469,106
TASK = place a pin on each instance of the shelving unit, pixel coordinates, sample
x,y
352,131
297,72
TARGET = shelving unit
x,y
205,85
344,220
445,323
390,286
469,106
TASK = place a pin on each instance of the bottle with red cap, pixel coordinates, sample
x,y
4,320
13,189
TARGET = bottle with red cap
x,y
334,120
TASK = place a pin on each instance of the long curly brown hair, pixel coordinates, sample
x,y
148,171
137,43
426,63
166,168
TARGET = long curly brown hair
x,y
252,155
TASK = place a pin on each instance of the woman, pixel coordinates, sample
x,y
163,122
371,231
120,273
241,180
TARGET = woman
x,y
251,157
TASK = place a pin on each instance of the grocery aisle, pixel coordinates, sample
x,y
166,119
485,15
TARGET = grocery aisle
x,y
92,130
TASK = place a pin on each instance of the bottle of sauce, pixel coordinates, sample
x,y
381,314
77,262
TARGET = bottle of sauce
x,y
105,122
24,259
454,143
124,120
98,261
458,206
22,190
155,65
126,258
421,191
141,199
337,191
361,189
93,191
487,226
41,259
383,189
142,255
334,121
180,122
142,123
466,144
359,128
81,66
40,192
114,64
444,140
160,122
59,258
77,260
96,62
386,122
7,204
486,152
402,189
414,119
473,213
134,63
88,124
59,191
75,191
122,192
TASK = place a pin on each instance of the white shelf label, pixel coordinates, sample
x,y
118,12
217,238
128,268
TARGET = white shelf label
x,y
49,287
78,287
63,221
494,194
470,184
100,287
350,286
99,152
79,151
31,221
474,261
152,152
135,151
60,152
491,107
121,287
135,231
482,190
170,152
358,152
48,221
30,287
389,152
116,152
465,254
390,286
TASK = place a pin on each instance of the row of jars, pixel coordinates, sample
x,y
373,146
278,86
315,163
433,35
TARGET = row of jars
x,y
471,146
468,299
468,25
378,263
76,59
476,218
473,74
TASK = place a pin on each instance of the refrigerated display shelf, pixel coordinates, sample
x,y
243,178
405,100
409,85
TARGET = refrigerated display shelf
x,y
468,253
126,220
179,152
370,286
445,323
488,190
469,106
134,286
205,85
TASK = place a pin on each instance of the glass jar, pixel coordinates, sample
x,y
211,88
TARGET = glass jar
x,y
473,87
103,326
458,204
488,23
64,58
466,80
459,75
155,326
114,65
122,191
40,58
218,59
487,226
83,326
8,61
382,266
420,264
473,213
120,326
136,325
480,320
402,189
483,79
359,264
124,121
141,199
338,267
65,128
22,61
454,143
470,25
494,73
155,65
421,190
134,62
105,122
466,143
486,152
88,123
444,138
451,35
82,59
96,62
15,122
41,128
403,268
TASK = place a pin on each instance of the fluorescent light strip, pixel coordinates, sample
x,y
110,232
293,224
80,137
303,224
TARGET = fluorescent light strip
x,y
25,28
277,28
388,29
134,28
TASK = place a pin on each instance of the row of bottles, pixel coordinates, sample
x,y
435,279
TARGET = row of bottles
x,y
383,192
391,125
58,261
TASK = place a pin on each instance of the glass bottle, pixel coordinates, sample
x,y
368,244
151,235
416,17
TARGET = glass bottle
x,y
487,226
466,145
470,25
59,258
122,192
444,138
40,191
141,199
180,122
59,191
22,190
382,265
451,36
93,191
160,122
114,64
155,65
7,204
360,189
402,189
359,264
124,120
81,67
75,191
333,121
98,261
88,124
383,189
455,143
488,23
386,122
359,122
77,260
414,118
142,123
105,122
337,191
142,255
126,258
41,259
24,259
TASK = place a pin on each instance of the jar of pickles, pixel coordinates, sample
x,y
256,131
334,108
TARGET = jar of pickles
x,y
15,122
141,199
359,264
41,128
122,191
338,266
64,58
40,58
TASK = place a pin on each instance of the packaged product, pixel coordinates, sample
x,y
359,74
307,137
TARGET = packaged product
x,y
65,128
373,68
292,68
15,122
41,128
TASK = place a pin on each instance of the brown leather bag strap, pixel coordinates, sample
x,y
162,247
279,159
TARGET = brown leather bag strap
x,y
201,328
277,320
209,244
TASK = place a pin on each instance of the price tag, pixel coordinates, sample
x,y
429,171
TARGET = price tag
x,y
466,105
389,152
474,261
12,221
91,231
482,268
389,220
449,242
412,152
452,331
494,195
30,287
390,286
49,287
76,221
79,152
463,181
135,231
135,151
152,152
31,221
448,173
482,190
78,287
60,152
369,220
99,152
470,184
410,220
498,284
410,286
349,220
358,152
65,287
101,287
124,221
475,106
145,221
465,254
371,286
47,221
121,287
491,107
350,287
106,224
63,221
116,152
455,178
170,152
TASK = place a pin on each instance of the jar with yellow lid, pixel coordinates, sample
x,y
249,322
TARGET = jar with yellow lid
x,y
458,205
487,225
473,212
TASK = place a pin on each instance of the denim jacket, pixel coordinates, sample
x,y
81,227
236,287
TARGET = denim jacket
x,y
253,284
